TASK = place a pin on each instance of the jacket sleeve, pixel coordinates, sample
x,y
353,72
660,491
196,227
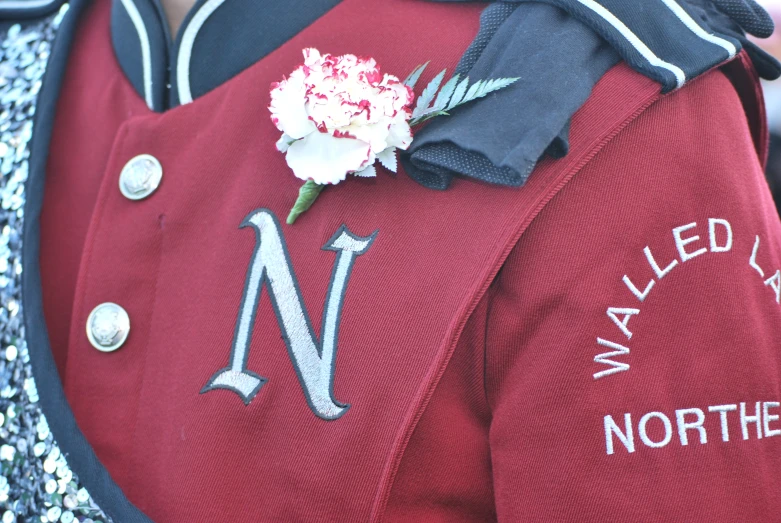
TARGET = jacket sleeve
x,y
632,362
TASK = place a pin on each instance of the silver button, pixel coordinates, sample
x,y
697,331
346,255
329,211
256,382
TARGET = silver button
x,y
107,327
140,177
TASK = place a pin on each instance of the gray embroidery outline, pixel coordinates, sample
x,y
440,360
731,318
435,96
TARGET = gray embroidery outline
x,y
313,358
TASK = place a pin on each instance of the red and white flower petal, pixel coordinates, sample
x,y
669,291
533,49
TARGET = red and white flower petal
x,y
325,159
328,110
374,134
312,57
288,109
400,135
337,114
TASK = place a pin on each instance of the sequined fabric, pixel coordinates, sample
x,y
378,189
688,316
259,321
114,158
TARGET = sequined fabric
x,y
36,483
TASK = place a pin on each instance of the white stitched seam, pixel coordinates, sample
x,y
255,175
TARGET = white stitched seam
x,y
633,39
186,49
146,52
695,28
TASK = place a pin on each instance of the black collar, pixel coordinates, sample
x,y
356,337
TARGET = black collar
x,y
217,40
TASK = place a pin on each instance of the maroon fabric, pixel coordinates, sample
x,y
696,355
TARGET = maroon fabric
x,y
707,334
471,389
707,338
96,100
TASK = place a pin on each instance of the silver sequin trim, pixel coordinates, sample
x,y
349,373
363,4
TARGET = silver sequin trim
x,y
36,483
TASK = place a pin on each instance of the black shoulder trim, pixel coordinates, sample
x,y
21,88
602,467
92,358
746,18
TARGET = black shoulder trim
x,y
80,455
501,138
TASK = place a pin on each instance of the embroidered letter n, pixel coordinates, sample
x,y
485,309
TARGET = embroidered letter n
x,y
313,359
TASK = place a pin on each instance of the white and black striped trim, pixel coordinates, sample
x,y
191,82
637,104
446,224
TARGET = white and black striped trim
x,y
662,39
218,39
695,28
186,49
633,40
146,49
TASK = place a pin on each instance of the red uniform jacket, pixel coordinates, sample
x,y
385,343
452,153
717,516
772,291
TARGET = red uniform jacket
x,y
601,344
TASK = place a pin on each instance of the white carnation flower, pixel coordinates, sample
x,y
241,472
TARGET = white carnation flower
x,y
337,114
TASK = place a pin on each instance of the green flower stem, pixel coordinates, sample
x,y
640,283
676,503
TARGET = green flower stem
x,y
420,119
307,195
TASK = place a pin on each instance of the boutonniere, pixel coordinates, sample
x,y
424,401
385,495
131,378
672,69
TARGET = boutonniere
x,y
339,115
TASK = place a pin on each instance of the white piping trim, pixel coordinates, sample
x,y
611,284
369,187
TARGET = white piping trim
x,y
695,28
186,49
25,4
638,44
146,52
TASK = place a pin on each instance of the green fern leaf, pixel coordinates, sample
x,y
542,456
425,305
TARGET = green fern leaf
x,y
472,92
427,96
458,95
453,94
428,115
445,93
483,88
414,76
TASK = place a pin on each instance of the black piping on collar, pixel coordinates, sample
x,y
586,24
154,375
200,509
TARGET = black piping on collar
x,y
74,445
140,38
218,39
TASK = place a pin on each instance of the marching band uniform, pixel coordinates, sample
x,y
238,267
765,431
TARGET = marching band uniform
x,y
581,324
